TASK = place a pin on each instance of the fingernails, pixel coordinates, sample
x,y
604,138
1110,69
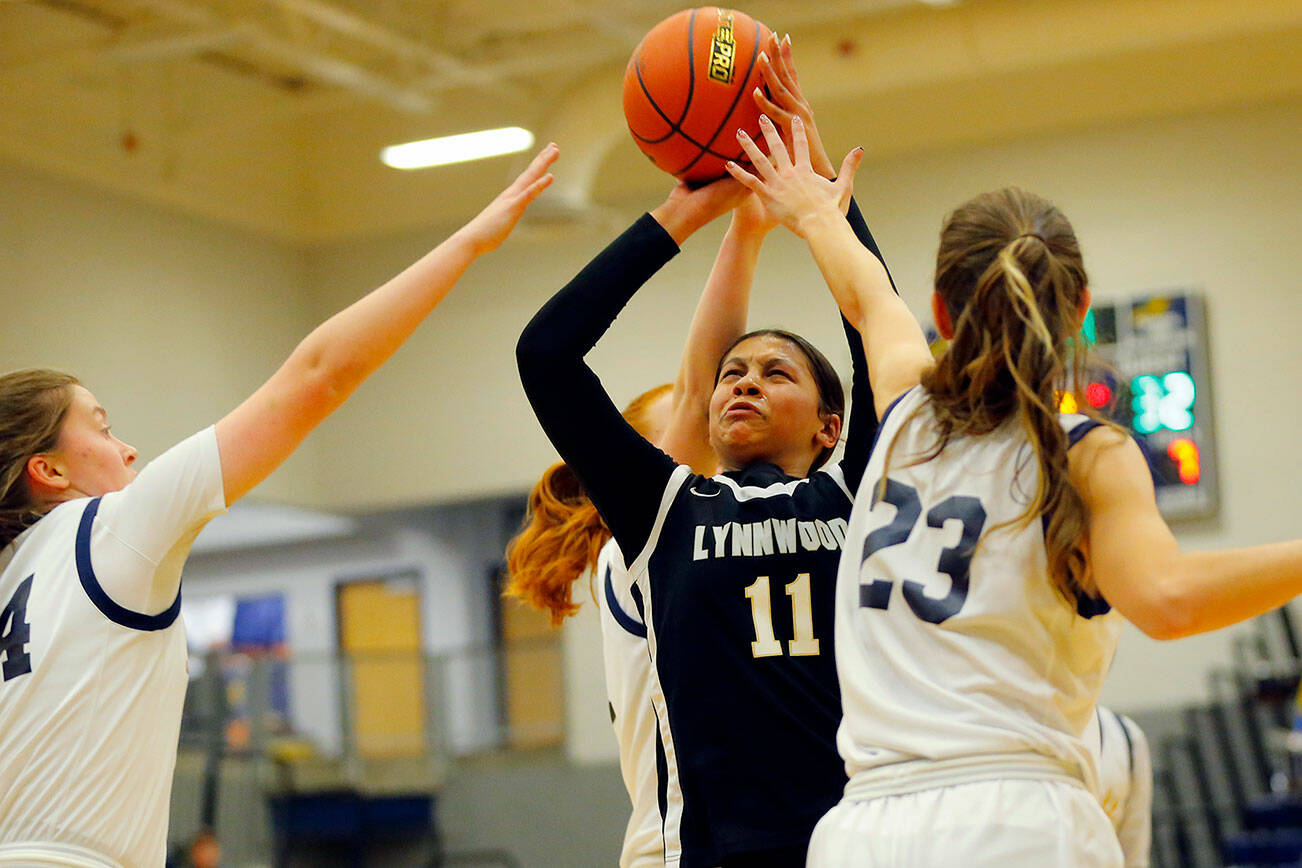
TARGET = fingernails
x,y
741,134
787,40
764,57
764,119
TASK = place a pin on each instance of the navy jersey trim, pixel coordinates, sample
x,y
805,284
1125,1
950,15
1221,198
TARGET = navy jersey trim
x,y
90,584
1076,434
881,423
662,787
636,593
621,617
1130,744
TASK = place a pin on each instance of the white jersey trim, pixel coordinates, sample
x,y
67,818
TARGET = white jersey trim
x,y
44,855
676,480
671,822
897,779
781,489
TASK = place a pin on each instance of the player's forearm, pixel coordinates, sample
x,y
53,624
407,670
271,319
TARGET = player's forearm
x,y
349,346
1202,591
856,277
720,316
719,319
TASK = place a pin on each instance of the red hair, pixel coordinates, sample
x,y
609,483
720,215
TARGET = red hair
x,y
563,533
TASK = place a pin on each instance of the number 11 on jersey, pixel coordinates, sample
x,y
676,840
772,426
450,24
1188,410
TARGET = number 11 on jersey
x,y
766,644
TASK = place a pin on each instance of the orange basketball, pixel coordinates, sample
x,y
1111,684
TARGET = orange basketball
x,y
687,90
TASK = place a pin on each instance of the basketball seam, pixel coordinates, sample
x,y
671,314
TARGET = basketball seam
x,y
674,126
754,53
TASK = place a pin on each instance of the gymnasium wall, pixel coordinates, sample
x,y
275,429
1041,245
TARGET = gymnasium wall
x,y
172,320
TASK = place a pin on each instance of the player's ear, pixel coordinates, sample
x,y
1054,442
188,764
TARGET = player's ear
x,y
1082,306
830,433
940,313
45,474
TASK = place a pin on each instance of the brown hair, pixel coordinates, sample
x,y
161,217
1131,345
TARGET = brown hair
x,y
1012,278
831,394
33,405
563,533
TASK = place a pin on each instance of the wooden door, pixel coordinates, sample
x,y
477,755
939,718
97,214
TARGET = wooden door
x,y
380,639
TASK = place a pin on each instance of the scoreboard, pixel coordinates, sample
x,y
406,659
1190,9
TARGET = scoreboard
x,y
1155,382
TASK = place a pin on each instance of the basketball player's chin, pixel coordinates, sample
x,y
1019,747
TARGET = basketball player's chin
x,y
745,444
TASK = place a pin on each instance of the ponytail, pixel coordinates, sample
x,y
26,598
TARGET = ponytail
x,y
563,533
1012,279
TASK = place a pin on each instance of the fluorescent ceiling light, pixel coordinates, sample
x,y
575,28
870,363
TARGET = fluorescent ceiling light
x,y
457,149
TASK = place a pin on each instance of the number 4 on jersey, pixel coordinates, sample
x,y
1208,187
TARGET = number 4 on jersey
x,y
15,633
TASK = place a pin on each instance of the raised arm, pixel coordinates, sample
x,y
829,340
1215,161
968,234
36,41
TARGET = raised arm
x,y
331,362
622,473
810,205
1138,567
720,319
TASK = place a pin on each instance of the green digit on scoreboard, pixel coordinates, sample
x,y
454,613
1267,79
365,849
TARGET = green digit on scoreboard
x,y
1165,403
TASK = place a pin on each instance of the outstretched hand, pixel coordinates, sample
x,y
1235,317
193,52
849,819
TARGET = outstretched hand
x,y
785,181
490,227
785,101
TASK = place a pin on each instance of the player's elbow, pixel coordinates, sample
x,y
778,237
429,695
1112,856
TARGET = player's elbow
x,y
323,380
533,350
1165,611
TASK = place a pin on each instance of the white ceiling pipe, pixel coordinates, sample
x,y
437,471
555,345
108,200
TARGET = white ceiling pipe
x,y
137,50
322,67
347,24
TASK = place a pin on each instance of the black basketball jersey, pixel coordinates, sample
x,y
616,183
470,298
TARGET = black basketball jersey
x,y
735,573
738,582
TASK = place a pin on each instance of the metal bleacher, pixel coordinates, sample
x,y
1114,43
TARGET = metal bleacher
x,y
1227,785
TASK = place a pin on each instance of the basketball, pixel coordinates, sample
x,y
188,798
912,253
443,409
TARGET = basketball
x,y
687,90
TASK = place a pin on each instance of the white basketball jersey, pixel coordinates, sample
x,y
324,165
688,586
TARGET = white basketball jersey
x,y
627,660
90,690
1125,782
950,659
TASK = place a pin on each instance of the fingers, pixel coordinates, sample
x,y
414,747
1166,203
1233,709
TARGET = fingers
x,y
746,179
776,81
770,108
535,189
763,166
536,168
845,180
799,142
789,66
778,154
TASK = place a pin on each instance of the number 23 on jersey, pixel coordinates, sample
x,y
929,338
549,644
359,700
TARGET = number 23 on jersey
x,y
955,561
